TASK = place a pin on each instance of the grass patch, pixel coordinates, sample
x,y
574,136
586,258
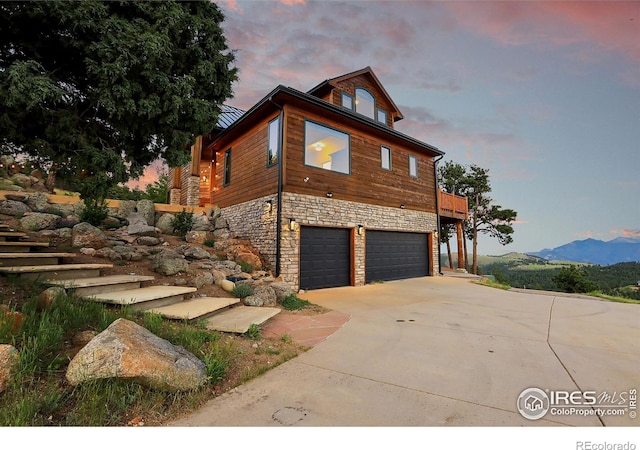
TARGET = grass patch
x,y
294,303
494,284
242,290
613,298
40,396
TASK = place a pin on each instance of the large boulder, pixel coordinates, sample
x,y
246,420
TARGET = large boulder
x,y
262,296
8,364
127,351
125,207
201,222
196,253
13,208
86,235
22,180
138,226
38,201
282,290
146,208
197,236
169,263
165,223
39,221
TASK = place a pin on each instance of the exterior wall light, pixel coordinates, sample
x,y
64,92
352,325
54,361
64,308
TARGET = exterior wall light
x,y
329,194
293,226
402,206
269,206
360,230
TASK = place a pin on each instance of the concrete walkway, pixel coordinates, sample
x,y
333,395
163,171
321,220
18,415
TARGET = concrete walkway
x,y
442,351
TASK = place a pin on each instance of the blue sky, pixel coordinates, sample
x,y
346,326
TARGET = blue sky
x,y
546,95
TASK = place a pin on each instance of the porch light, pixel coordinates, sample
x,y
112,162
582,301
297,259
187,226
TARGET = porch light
x,y
329,194
402,206
269,206
293,226
360,230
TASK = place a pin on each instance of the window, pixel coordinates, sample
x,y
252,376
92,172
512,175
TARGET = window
x,y
381,116
385,157
365,103
326,148
227,167
273,142
347,101
413,166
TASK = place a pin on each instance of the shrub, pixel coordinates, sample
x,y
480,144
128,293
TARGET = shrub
x,y
246,267
95,211
253,332
210,242
182,222
242,290
293,302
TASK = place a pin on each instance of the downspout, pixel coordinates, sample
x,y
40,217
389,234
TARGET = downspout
x,y
279,198
435,177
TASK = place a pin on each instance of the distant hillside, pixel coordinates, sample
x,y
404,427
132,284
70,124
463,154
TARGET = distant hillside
x,y
594,251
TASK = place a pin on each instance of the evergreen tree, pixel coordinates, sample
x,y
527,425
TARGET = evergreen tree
x,y
95,91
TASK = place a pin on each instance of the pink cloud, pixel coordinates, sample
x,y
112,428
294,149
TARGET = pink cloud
x,y
626,233
150,175
607,25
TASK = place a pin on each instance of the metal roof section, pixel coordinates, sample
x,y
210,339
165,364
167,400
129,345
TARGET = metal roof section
x,y
228,115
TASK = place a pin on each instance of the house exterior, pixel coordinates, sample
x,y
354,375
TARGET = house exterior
x,y
322,184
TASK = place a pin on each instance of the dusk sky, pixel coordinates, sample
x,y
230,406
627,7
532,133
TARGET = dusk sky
x,y
546,95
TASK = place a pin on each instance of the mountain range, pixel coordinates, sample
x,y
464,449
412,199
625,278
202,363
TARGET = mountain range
x,y
593,251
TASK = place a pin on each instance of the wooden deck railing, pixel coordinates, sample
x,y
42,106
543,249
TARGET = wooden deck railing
x,y
452,205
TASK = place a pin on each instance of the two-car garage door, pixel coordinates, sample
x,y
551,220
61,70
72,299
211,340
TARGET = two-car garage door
x,y
393,255
325,256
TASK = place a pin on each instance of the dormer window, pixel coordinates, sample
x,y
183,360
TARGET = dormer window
x,y
365,103
347,101
381,116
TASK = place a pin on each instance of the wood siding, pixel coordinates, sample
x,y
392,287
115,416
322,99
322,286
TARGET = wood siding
x,y
250,176
368,182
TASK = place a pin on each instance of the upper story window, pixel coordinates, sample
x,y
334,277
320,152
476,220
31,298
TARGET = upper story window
x,y
273,140
227,167
365,103
381,116
326,148
413,166
385,157
347,101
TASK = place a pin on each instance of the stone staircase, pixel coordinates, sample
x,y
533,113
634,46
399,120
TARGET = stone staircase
x,y
87,282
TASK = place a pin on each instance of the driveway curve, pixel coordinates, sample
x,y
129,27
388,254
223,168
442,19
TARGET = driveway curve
x,y
440,351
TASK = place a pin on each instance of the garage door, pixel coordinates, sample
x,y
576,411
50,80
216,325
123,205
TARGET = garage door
x,y
394,255
325,259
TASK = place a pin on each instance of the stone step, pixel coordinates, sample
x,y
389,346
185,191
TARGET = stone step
x,y
21,247
195,308
32,259
145,298
240,318
98,285
6,236
55,271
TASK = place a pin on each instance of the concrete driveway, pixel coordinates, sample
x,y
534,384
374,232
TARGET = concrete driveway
x,y
444,351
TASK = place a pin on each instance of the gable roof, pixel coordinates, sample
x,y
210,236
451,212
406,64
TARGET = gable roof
x,y
333,83
228,115
285,94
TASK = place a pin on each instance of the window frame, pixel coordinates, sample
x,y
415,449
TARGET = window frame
x,y
382,149
277,161
304,146
373,100
351,98
226,174
413,158
383,111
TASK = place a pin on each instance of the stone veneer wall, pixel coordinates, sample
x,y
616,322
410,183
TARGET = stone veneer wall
x,y
190,189
320,211
252,221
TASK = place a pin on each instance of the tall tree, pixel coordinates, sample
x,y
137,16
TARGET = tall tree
x,y
98,90
450,179
486,217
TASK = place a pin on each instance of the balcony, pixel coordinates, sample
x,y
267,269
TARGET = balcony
x,y
451,206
